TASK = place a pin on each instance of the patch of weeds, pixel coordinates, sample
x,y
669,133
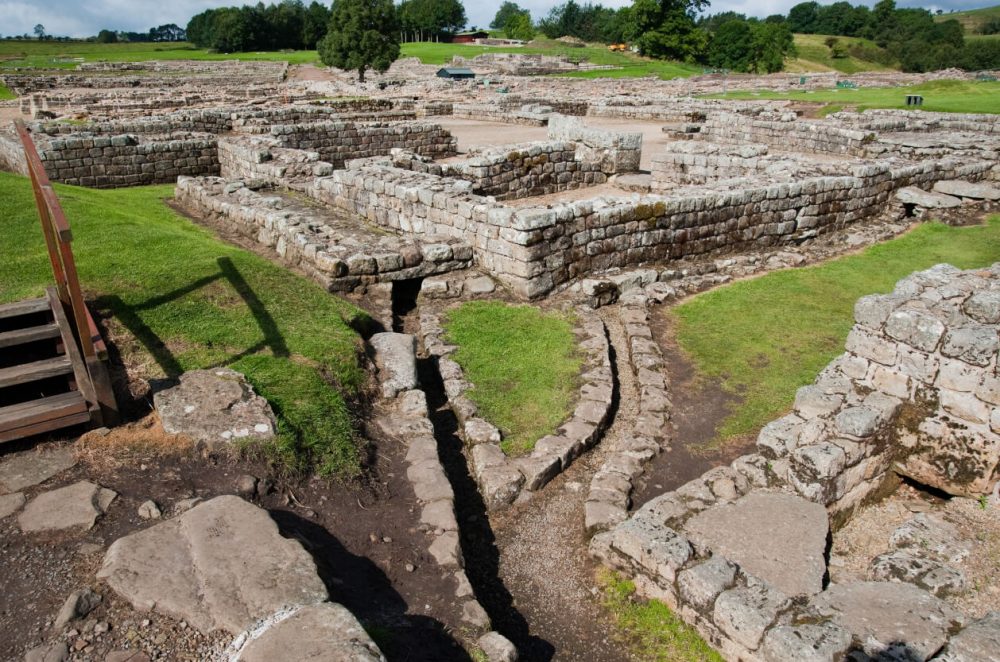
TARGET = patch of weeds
x,y
651,631
524,366
984,501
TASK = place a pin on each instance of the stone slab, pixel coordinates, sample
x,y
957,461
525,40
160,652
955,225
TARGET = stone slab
x,y
220,566
325,632
911,195
776,537
965,189
28,469
10,504
74,506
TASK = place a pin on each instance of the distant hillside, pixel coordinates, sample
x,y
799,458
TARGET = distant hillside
x,y
815,55
971,19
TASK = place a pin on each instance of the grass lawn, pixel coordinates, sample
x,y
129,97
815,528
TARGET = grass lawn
x,y
812,51
5,93
631,65
971,19
651,630
766,337
523,364
194,301
59,55
949,96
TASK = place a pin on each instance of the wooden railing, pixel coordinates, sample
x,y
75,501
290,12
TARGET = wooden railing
x,y
58,241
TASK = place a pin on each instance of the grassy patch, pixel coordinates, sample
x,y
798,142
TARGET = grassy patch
x,y
630,65
5,93
524,366
971,19
812,51
949,96
766,337
61,55
194,301
652,631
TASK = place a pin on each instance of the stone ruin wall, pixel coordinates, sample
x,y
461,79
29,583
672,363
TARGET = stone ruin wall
x,y
337,142
916,393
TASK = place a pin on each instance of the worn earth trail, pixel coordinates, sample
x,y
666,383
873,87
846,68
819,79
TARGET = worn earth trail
x,y
543,549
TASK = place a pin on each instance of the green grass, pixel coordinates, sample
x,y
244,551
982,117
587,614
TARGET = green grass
x,y
652,631
971,19
193,301
631,65
813,51
48,54
949,96
523,365
5,93
764,338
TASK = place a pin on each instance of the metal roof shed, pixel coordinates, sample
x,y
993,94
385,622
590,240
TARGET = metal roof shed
x,y
455,73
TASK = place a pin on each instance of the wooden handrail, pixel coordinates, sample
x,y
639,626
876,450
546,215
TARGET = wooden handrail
x,y
58,238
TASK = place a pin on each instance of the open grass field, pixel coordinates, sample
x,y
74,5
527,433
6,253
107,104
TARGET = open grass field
x,y
193,301
764,338
523,364
64,55
950,96
814,55
971,19
5,93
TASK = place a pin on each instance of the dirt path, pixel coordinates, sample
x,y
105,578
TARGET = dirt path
x,y
310,72
543,551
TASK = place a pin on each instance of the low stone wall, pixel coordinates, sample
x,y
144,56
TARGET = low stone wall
x,y
785,131
339,253
494,113
12,158
698,162
609,495
739,552
406,419
253,158
129,160
337,142
502,478
526,170
615,151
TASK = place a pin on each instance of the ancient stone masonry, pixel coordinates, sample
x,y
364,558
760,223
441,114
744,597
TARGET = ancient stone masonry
x,y
255,158
608,499
739,552
337,142
338,252
407,419
502,478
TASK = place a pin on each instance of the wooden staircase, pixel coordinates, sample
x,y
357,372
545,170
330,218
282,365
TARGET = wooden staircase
x,y
53,371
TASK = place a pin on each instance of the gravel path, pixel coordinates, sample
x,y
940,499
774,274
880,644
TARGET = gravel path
x,y
543,549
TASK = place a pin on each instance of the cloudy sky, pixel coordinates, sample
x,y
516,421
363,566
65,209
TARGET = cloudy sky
x,y
81,18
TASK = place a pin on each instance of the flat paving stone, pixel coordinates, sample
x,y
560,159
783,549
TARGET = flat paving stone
x,y
10,504
221,565
325,632
74,506
28,469
779,538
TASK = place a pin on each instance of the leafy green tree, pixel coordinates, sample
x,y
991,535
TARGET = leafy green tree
x,y
519,26
432,17
362,35
771,43
731,46
507,11
107,37
317,18
803,17
39,31
667,30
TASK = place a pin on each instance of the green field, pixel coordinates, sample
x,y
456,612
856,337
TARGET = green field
x,y
814,55
764,338
523,365
971,19
5,93
193,301
61,55
949,96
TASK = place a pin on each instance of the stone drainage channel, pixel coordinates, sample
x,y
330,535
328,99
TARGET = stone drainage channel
x,y
528,564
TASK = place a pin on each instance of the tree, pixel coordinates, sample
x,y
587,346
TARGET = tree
x,y
432,17
771,43
519,26
107,37
40,31
803,17
667,30
507,11
314,25
731,46
362,35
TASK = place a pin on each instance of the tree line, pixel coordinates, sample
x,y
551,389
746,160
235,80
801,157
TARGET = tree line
x,y
289,24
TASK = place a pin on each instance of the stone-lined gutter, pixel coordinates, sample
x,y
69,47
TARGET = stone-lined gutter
x,y
501,479
405,417
611,487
